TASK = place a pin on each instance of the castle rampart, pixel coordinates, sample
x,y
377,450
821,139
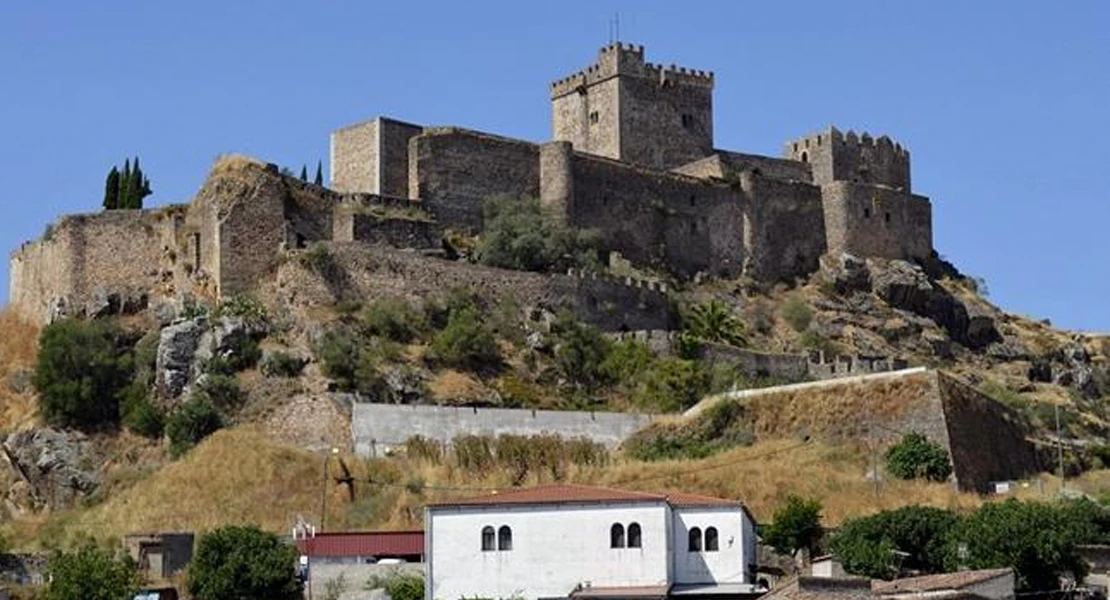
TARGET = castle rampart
x,y
834,156
372,157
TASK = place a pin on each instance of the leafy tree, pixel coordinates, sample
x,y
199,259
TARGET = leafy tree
x,y
580,350
90,573
466,342
915,457
82,368
192,422
867,546
238,562
672,385
796,525
319,179
519,234
1038,540
626,362
394,319
714,322
111,190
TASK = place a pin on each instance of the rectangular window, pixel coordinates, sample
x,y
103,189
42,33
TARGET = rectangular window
x,y
194,241
687,120
594,117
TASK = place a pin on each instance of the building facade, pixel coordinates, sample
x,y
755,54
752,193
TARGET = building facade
x,y
560,541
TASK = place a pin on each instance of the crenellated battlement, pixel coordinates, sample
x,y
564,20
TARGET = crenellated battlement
x,y
628,59
834,136
848,156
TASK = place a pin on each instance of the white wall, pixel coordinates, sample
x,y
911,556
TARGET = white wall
x,y
555,548
736,546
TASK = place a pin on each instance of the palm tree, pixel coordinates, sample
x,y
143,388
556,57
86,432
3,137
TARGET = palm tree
x,y
714,322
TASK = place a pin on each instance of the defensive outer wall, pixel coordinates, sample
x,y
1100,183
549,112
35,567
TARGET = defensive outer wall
x,y
377,427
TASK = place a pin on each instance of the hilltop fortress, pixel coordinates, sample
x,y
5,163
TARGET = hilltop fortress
x,y
632,156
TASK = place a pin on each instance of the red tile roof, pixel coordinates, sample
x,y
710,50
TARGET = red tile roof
x,y
571,493
393,544
942,581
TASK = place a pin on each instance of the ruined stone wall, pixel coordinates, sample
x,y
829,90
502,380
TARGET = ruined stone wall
x,y
874,221
252,231
85,262
371,272
453,171
784,228
659,218
988,441
395,232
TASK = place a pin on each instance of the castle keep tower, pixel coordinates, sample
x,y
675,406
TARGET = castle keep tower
x,y
623,108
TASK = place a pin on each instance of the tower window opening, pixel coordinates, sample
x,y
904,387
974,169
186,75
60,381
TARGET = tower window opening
x,y
805,157
818,140
594,117
867,213
687,120
692,199
887,217
693,226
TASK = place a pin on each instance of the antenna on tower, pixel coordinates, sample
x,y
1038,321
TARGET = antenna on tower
x,y
615,28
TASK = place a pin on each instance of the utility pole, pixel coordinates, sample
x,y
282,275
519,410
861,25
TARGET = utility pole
x,y
1059,448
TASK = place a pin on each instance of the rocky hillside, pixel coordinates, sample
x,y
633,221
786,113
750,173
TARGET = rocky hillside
x,y
277,369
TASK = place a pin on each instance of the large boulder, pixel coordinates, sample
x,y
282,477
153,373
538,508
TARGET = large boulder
x,y
177,351
58,467
907,287
846,273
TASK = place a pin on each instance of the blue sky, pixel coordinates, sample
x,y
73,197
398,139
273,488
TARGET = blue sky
x,y
1002,104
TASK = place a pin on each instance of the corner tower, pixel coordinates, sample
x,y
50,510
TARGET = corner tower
x,y
835,156
624,108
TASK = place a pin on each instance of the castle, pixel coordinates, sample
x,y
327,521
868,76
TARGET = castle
x,y
632,157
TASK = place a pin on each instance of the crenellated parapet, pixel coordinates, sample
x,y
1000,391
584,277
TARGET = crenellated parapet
x,y
628,59
852,157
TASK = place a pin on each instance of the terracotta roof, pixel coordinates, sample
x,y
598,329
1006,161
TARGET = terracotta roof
x,y
392,544
822,588
942,581
571,493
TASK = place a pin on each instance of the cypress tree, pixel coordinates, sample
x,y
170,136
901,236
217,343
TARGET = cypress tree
x,y
111,190
319,173
304,173
125,185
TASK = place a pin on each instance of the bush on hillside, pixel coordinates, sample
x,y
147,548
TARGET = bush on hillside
x,y
395,320
672,385
519,234
714,322
467,342
868,545
190,423
282,364
82,368
580,351
400,585
797,313
916,457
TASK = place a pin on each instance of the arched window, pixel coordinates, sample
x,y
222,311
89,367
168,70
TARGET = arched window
x,y
694,543
805,157
634,536
711,544
487,539
616,536
504,538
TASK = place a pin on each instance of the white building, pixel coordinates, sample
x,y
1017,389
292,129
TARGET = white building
x,y
571,541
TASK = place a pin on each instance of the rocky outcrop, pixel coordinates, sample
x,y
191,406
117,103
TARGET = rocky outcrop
x,y
54,468
177,351
907,287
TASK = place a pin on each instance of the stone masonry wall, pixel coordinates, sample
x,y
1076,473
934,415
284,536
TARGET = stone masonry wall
x,y
375,272
377,427
665,126
658,218
84,259
874,221
353,160
834,156
453,171
784,228
393,145
389,231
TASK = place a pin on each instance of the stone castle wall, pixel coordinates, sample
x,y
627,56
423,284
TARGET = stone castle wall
x,y
83,260
784,229
867,220
377,427
834,156
454,171
372,157
376,272
394,232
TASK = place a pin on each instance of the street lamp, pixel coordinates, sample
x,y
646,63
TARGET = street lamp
x,y
324,490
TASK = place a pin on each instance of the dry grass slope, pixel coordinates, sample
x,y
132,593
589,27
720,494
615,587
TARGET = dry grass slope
x,y
18,347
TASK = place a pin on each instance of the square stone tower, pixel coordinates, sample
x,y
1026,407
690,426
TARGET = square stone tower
x,y
623,108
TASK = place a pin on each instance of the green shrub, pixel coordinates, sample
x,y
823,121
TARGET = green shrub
x,y
395,320
580,351
714,322
796,525
673,385
520,235
222,391
90,573
190,423
245,307
242,355
721,426
626,361
282,364
400,585
915,457
467,342
867,545
82,368
797,313
236,562
140,415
